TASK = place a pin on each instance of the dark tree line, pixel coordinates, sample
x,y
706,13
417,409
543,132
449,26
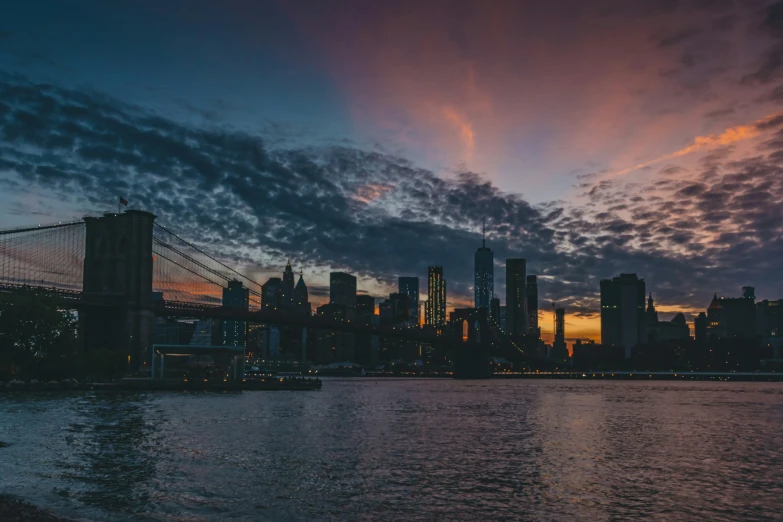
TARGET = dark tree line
x,y
40,340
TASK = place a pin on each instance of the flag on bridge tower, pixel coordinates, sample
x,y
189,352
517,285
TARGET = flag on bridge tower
x,y
123,201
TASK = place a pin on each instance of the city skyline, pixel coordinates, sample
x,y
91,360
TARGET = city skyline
x,y
650,159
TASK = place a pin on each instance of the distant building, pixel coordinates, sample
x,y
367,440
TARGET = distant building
x,y
204,334
410,287
301,299
396,310
335,346
516,300
236,297
271,294
622,312
769,324
700,327
287,286
365,305
732,317
367,346
342,289
494,310
484,275
658,330
503,318
559,348
531,293
435,312
651,315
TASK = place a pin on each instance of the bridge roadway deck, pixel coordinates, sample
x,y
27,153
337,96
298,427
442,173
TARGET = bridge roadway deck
x,y
77,299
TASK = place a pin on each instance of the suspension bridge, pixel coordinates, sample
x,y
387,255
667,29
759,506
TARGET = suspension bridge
x,y
122,271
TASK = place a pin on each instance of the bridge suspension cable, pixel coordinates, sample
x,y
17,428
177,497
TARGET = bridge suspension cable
x,y
50,256
185,272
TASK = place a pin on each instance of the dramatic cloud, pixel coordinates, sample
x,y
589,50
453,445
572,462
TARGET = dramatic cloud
x,y
727,137
381,216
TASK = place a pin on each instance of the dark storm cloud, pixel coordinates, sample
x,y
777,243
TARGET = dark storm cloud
x,y
379,215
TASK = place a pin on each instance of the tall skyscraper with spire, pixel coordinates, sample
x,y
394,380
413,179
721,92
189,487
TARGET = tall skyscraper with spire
x,y
301,299
484,273
287,288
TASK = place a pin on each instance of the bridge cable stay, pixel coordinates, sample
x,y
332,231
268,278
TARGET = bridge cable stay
x,y
50,256
185,273
199,250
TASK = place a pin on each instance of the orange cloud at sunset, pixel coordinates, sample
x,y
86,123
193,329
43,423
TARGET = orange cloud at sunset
x,y
727,137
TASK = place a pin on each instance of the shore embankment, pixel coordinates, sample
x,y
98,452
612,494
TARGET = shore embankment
x,y
145,384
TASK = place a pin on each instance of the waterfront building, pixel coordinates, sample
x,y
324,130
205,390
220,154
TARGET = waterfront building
x,y
769,324
335,346
732,317
435,312
342,289
410,287
622,312
516,317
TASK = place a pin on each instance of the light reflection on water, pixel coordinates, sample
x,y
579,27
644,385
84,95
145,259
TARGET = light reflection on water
x,y
374,449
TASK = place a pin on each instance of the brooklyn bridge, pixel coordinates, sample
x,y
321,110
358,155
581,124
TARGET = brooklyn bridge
x,y
121,271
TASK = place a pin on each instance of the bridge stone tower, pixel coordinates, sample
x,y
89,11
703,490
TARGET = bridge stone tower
x,y
118,269
470,337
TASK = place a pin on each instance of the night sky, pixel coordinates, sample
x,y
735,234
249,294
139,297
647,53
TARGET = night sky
x,y
594,137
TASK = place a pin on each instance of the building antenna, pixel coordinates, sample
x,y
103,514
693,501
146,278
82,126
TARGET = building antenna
x,y
483,233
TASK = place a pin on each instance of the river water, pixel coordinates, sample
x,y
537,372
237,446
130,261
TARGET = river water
x,y
392,449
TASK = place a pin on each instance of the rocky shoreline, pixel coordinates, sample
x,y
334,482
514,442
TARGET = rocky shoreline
x,y
14,510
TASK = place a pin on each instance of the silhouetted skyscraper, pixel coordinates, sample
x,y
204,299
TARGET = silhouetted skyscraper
x,y
484,275
365,305
236,296
622,312
531,293
435,311
559,348
271,294
560,327
732,316
769,324
700,327
342,289
301,299
410,287
651,314
494,310
287,286
396,310
516,300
